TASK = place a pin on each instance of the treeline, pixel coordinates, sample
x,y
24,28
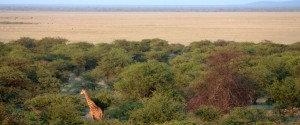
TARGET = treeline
x,y
149,82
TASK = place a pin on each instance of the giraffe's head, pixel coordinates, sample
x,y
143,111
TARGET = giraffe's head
x,y
83,91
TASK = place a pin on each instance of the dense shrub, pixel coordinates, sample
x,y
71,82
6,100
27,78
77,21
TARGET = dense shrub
x,y
158,109
104,99
46,44
295,46
240,116
26,42
142,79
147,82
208,113
122,111
55,109
223,87
182,122
286,93
243,116
160,56
112,64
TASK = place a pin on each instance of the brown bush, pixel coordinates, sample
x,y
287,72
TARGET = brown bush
x,y
223,87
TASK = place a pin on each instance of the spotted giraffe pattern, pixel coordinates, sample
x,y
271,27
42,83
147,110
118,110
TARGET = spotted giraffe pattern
x,y
95,112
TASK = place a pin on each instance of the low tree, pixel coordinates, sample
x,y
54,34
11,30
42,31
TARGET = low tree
x,y
142,79
158,109
208,113
157,44
12,77
224,87
249,116
3,49
112,64
187,72
295,46
122,111
46,44
79,54
160,56
26,42
55,109
286,93
46,82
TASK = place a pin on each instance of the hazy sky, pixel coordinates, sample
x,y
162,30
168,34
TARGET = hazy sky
x,y
133,2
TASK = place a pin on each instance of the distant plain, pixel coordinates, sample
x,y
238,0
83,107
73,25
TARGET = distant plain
x,y
175,27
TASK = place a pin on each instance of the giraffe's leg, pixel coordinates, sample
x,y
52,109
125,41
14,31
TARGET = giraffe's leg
x,y
98,117
92,115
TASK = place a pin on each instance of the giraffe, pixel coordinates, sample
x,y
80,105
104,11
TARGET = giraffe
x,y
95,112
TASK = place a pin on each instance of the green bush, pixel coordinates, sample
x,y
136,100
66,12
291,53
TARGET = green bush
x,y
112,64
46,44
285,93
183,122
240,116
26,42
103,99
107,122
55,109
208,113
160,56
158,109
277,119
122,112
142,79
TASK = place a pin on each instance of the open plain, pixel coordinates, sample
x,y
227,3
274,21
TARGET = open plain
x,y
175,27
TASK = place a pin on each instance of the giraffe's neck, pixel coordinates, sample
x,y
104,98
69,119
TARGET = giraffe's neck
x,y
89,101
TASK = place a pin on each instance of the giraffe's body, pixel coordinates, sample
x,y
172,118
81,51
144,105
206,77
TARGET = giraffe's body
x,y
95,112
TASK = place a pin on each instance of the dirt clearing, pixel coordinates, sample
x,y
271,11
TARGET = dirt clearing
x,y
176,27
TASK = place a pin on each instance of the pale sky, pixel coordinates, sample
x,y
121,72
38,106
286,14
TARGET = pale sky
x,y
133,2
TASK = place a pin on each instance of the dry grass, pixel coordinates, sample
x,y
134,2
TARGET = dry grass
x,y
280,27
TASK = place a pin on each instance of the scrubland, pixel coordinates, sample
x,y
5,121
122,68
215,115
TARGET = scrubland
x,y
149,82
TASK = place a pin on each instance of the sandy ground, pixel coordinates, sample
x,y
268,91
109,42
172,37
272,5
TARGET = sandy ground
x,y
184,27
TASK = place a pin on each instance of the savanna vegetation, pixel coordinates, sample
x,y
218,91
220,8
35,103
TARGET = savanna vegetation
x,y
149,82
